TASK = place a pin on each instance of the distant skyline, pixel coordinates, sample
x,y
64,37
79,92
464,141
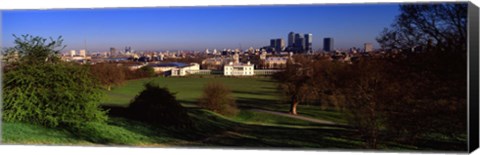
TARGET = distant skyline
x,y
198,28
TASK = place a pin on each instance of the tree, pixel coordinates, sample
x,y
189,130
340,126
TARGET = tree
x,y
35,49
368,91
108,74
433,92
40,89
158,106
147,71
443,25
51,95
294,81
218,98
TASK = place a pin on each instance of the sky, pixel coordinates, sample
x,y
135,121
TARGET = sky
x,y
199,28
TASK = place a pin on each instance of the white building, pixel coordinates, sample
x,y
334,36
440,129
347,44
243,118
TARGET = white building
x,y
83,53
238,69
176,69
368,47
72,53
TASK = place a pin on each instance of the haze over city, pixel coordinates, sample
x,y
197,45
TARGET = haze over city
x,y
199,28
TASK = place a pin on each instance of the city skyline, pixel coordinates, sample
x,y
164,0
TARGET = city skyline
x,y
199,28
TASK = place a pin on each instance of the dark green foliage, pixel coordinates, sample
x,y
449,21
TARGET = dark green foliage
x,y
158,106
35,49
51,95
432,89
218,98
148,71
108,74
143,72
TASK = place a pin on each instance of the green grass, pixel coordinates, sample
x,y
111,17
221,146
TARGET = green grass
x,y
254,117
258,93
22,133
188,90
249,128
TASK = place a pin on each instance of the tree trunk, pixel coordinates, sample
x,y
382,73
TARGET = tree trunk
x,y
293,106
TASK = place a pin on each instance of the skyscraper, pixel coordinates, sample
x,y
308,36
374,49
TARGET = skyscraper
x,y
113,51
299,43
273,43
291,39
308,42
328,44
279,45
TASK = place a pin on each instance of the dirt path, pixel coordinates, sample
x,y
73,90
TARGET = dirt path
x,y
314,120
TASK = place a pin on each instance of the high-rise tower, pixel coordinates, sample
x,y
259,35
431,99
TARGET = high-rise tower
x,y
328,44
291,39
308,42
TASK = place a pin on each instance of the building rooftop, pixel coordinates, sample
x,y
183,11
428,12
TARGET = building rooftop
x,y
170,64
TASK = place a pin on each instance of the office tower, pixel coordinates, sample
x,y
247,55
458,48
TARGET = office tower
x,y
368,47
72,53
113,51
273,43
128,49
308,42
299,43
328,44
279,45
83,53
291,39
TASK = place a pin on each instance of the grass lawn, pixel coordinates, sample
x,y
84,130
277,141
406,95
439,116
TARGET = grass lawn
x,y
249,128
257,93
190,89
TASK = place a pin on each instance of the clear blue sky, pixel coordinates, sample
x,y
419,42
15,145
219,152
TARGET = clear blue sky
x,y
197,28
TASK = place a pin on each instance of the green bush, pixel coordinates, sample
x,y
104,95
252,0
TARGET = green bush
x,y
158,106
147,71
51,94
218,98
143,72
108,74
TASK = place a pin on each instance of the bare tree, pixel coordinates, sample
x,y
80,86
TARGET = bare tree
x,y
443,25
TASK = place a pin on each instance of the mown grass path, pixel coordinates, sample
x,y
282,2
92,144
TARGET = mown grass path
x,y
319,121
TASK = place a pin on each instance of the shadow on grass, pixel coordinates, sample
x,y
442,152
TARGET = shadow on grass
x,y
213,130
263,104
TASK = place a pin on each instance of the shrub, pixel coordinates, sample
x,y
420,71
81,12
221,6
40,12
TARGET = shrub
x,y
108,74
143,72
147,71
51,95
158,106
218,98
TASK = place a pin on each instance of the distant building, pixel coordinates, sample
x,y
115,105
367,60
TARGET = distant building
x,y
128,50
328,44
275,62
291,39
72,53
299,43
308,43
368,47
273,43
176,69
113,51
238,69
279,45
236,58
83,53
